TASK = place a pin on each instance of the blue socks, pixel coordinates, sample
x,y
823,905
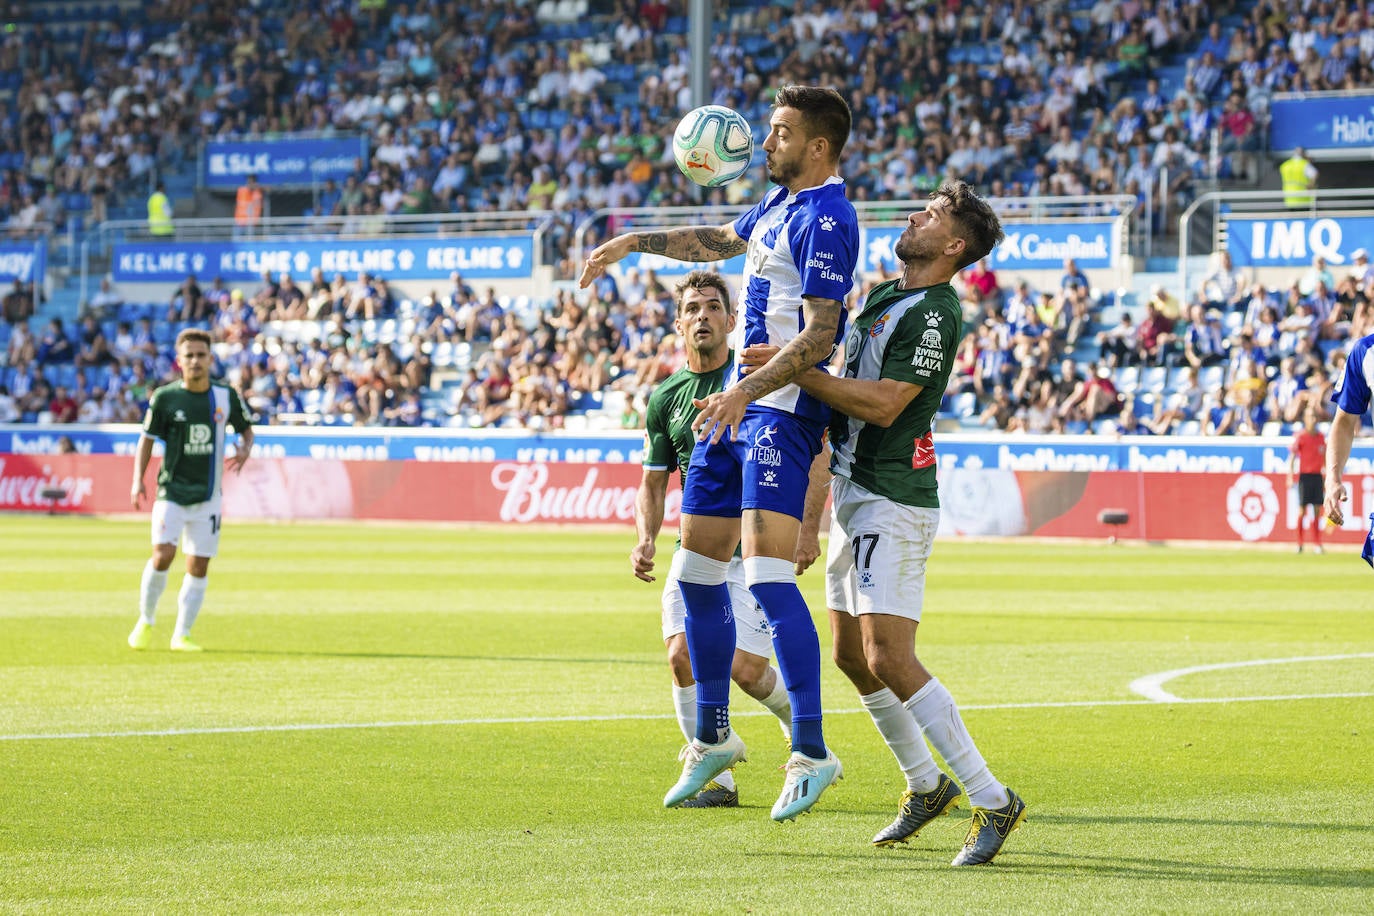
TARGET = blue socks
x,y
710,640
773,582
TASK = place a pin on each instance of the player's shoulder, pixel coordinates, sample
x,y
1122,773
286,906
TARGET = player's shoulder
x,y
830,206
166,393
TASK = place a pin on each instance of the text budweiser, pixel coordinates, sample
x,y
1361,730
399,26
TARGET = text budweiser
x,y
529,497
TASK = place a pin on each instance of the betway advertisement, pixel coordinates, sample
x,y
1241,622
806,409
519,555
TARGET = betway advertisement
x,y
23,261
477,257
1227,455
1243,507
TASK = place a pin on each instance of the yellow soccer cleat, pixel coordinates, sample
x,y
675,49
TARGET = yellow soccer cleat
x,y
142,636
182,644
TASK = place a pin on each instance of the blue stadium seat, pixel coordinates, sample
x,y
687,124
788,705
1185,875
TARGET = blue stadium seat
x,y
1126,378
1211,377
1154,379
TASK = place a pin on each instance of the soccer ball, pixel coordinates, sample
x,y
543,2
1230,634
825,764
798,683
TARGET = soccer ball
x,y
713,145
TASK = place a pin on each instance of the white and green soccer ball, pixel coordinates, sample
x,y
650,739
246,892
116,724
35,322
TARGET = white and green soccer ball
x,y
713,145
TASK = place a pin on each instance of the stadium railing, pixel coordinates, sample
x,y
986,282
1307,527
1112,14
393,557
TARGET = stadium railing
x,y
1203,226
874,213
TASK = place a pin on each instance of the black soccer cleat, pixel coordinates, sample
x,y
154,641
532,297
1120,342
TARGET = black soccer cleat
x,y
714,795
989,830
918,809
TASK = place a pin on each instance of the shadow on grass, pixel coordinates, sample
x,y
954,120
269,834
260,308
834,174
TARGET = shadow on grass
x,y
1177,870
1134,820
1020,862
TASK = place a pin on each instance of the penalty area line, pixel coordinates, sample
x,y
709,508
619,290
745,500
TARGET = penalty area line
x,y
623,717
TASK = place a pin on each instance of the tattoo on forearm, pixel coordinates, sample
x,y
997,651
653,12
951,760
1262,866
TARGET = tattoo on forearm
x,y
720,242
805,350
700,243
652,242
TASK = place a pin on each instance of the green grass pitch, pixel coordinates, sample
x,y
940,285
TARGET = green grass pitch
x,y
401,719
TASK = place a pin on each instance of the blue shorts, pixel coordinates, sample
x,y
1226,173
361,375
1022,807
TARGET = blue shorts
x,y
768,467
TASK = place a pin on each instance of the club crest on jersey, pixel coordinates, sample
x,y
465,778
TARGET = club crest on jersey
x,y
219,415
878,326
763,452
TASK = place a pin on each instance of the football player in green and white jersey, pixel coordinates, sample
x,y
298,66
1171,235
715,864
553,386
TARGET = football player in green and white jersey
x,y
192,417
705,317
898,357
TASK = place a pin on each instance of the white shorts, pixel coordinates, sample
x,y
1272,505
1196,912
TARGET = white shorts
x,y
195,526
752,632
878,550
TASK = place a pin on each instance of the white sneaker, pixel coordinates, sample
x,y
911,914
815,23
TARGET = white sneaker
x,y
701,763
807,778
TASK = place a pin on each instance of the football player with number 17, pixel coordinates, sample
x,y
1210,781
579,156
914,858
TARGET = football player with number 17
x,y
759,435
897,360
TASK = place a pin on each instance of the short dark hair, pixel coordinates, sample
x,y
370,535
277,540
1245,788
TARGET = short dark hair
x,y
824,112
193,335
704,279
981,229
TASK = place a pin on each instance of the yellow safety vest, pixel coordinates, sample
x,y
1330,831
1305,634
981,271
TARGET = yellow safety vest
x,y
1294,174
160,214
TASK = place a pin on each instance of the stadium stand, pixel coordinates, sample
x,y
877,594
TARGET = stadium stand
x,y
559,107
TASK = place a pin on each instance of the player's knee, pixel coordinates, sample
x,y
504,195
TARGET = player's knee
x,y
852,662
680,662
887,662
163,555
699,569
748,671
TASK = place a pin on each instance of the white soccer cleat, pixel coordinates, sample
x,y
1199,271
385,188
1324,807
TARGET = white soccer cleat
x,y
807,778
701,763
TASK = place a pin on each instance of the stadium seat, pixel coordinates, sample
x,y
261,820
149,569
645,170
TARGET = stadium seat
x,y
1190,428
1153,379
1211,377
1126,378
965,404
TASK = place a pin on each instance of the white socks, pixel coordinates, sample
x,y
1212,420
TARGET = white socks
x,y
685,702
899,729
150,590
778,704
188,603
936,713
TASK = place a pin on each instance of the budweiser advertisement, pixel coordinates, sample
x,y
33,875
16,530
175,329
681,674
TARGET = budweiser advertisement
x,y
1243,507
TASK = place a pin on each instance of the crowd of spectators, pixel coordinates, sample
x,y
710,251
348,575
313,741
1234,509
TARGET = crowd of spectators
x,y
559,109
500,106
1236,356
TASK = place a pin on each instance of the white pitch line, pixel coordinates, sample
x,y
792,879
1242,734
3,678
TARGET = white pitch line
x,y
1151,686
528,720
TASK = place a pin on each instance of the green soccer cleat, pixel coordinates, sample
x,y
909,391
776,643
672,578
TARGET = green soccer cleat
x,y
714,795
918,809
142,636
701,763
182,644
989,830
806,779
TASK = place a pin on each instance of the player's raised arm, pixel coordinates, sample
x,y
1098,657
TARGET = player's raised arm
x,y
689,243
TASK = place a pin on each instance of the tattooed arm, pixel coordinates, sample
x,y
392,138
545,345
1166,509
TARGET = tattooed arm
x,y
723,411
821,318
690,243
